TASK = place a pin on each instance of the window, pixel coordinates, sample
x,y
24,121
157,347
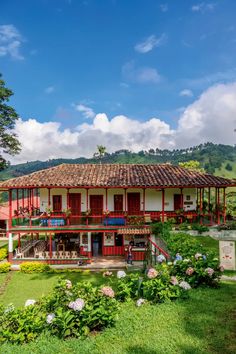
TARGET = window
x,y
188,197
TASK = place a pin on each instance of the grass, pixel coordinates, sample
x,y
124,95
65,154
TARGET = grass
x,y
209,243
33,286
204,323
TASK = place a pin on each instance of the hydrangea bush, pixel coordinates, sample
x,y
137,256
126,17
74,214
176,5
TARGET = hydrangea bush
x,y
69,311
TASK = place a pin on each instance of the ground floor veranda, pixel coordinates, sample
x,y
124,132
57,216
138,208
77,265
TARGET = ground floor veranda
x,y
78,247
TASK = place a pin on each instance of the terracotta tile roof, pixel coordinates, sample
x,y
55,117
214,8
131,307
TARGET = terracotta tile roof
x,y
116,175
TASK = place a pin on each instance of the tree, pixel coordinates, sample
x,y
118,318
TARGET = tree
x,y
192,165
8,116
100,153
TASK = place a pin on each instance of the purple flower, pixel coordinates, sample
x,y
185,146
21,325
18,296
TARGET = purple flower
x,y
77,305
161,258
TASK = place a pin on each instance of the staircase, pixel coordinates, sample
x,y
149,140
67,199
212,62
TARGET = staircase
x,y
153,250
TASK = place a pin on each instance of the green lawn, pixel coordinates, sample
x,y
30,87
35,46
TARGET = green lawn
x,y
33,286
204,323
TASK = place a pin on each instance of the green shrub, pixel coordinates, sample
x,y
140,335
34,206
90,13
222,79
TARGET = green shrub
x,y
3,253
184,244
5,267
34,267
230,225
200,228
69,311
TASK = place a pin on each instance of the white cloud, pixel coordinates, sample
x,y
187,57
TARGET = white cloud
x,y
150,43
49,89
10,42
85,110
186,92
164,7
212,117
203,7
140,75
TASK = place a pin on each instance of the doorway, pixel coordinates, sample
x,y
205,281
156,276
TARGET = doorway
x,y
133,203
96,244
75,207
177,201
96,207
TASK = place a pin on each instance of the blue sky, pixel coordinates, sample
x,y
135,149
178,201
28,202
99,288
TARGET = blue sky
x,y
77,66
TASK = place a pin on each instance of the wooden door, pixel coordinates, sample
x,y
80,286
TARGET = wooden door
x,y
75,206
118,203
177,201
96,207
133,203
57,204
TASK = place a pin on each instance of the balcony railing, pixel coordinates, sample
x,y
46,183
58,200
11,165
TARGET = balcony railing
x,y
112,219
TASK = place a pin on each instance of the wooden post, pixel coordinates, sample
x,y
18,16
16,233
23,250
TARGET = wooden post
x,y
49,197
218,203
125,189
50,245
224,201
17,199
106,199
19,243
10,209
144,195
87,205
23,198
163,205
197,198
67,198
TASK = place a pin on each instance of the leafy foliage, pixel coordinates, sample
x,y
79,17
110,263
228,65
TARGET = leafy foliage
x,y
5,267
34,267
8,116
57,314
3,253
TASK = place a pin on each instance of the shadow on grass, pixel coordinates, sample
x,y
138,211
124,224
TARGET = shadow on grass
x,y
211,317
139,350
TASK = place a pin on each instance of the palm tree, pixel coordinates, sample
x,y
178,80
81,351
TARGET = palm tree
x,y
101,151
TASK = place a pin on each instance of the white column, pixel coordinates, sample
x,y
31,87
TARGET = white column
x,y
10,243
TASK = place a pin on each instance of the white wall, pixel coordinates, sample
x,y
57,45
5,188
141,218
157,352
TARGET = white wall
x,y
153,198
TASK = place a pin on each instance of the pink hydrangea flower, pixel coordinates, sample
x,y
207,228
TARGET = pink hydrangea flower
x,y
152,273
108,291
107,274
189,271
209,271
77,305
174,280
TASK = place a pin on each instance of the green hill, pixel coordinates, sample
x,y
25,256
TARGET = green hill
x,y
217,159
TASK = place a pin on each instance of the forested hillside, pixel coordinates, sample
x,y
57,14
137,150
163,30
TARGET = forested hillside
x,y
216,159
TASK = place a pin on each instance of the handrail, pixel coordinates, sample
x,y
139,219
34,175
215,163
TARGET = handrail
x,y
159,248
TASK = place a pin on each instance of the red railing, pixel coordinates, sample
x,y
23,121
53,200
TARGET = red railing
x,y
159,248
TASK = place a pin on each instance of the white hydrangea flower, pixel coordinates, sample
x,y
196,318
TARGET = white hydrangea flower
x,y
30,302
9,308
161,258
50,318
140,302
184,285
77,305
121,274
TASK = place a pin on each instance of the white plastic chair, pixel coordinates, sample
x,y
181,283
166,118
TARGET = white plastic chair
x,y
67,254
54,254
73,254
